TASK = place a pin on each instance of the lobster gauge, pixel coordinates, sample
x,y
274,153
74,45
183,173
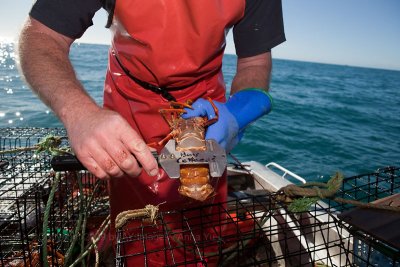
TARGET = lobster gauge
x,y
214,155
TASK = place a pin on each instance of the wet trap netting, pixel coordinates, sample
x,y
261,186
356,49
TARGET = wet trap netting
x,y
79,203
57,217
257,231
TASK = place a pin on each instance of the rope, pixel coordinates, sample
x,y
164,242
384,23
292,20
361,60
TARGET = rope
x,y
96,252
88,204
51,145
301,197
80,226
150,212
78,223
48,144
321,190
100,232
367,205
46,218
19,149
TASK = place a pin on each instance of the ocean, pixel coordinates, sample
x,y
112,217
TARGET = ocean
x,y
326,118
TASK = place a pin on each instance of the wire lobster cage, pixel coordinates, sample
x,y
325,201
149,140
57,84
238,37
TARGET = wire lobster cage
x,y
21,167
376,233
258,230
78,200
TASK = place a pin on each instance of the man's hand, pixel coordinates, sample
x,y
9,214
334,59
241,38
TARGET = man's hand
x,y
108,147
241,109
244,106
102,140
225,131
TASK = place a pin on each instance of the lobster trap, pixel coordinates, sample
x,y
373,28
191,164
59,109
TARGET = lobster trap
x,y
256,230
26,183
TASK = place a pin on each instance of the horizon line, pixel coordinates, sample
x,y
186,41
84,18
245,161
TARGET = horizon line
x,y
77,42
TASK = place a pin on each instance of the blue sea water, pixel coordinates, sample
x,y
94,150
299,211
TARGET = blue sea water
x,y
325,118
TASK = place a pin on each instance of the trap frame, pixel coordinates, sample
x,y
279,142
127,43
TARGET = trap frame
x,y
26,180
251,231
258,231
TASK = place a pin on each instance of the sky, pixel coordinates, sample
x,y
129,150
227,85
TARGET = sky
x,y
362,33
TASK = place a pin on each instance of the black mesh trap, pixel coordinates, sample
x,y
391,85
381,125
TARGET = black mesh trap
x,y
258,231
26,179
251,231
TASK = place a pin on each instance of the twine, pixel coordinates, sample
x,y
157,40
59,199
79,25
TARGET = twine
x,y
150,212
100,232
96,252
48,144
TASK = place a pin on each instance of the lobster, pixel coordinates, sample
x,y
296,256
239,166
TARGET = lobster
x,y
189,135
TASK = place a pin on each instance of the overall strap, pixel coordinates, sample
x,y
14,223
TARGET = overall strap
x,y
163,91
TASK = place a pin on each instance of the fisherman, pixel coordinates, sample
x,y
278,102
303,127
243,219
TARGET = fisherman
x,y
161,50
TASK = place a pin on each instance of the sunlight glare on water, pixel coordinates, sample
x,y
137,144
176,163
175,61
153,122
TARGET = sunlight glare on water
x,y
18,105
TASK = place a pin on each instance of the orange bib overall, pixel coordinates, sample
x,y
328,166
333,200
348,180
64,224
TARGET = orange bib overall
x,y
166,43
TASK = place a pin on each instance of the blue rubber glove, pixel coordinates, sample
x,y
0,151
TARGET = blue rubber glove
x,y
241,109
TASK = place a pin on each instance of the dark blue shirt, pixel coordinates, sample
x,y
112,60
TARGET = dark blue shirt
x,y
260,29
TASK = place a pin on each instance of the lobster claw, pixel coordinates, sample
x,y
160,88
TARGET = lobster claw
x,y
181,105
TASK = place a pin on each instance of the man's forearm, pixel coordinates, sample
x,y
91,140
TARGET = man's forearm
x,y
102,139
252,72
44,61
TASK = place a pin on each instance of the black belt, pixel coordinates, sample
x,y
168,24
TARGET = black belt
x,y
163,91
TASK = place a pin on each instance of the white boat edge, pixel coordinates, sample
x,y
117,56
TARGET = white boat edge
x,y
272,177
